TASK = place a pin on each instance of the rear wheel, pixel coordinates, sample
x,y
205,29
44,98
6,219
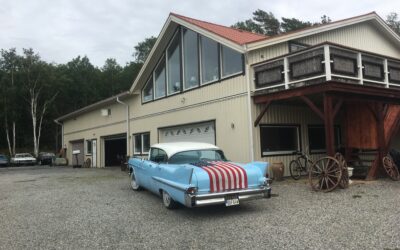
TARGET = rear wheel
x,y
168,201
295,169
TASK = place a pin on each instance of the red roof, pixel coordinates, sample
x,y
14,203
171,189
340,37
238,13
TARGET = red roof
x,y
235,35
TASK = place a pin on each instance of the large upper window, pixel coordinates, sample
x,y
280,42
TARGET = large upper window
x,y
209,60
148,91
279,139
190,59
159,79
174,65
316,138
231,62
141,144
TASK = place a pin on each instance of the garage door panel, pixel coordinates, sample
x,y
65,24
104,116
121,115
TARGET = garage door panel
x,y
199,132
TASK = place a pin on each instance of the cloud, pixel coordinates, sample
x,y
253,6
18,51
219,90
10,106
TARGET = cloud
x,y
60,30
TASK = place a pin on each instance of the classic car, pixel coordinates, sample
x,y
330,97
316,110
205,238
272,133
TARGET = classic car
x,y
3,160
46,158
198,174
23,159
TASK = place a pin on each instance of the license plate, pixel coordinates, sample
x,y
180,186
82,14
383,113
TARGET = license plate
x,y
231,201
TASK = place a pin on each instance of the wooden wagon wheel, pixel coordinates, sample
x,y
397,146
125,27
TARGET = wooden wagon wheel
x,y
344,180
391,168
325,174
88,163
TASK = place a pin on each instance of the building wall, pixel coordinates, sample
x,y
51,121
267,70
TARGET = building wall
x,y
363,36
286,114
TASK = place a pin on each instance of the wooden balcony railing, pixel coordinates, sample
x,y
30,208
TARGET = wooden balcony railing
x,y
323,63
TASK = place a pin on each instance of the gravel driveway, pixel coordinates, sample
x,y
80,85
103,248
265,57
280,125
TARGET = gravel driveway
x,y
64,208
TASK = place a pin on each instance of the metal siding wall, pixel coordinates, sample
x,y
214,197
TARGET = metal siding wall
x,y
285,114
232,86
234,141
363,36
268,53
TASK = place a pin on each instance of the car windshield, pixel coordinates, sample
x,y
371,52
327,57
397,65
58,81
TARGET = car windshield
x,y
196,156
23,155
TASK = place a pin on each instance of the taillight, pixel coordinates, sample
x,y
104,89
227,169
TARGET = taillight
x,y
191,190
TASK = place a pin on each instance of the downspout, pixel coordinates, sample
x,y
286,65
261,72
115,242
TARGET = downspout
x,y
62,132
128,150
250,117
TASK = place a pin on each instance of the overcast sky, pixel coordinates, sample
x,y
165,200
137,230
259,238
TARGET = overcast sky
x,y
60,30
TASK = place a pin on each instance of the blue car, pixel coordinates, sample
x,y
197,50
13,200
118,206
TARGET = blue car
x,y
198,174
3,160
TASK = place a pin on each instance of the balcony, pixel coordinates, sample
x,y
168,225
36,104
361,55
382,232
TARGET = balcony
x,y
326,63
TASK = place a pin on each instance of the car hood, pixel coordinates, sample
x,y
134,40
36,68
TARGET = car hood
x,y
23,159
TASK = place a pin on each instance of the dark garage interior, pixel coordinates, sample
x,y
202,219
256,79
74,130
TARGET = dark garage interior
x,y
115,151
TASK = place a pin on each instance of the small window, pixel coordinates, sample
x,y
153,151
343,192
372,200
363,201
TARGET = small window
x,y
159,80
174,65
316,138
88,147
279,139
190,59
141,144
148,91
209,60
232,62
158,155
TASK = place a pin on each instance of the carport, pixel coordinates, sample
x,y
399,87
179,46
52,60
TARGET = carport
x,y
114,150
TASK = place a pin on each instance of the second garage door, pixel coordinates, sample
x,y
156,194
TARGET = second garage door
x,y
196,132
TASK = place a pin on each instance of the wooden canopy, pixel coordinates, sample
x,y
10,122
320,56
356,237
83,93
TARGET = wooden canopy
x,y
372,113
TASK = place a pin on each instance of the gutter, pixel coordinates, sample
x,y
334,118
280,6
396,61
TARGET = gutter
x,y
249,111
62,132
128,150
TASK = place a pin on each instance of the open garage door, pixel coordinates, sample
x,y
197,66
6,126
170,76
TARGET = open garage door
x,y
196,132
79,158
114,151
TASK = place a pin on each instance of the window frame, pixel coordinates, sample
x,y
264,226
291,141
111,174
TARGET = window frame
x,y
142,91
87,148
142,152
281,153
177,32
198,60
201,61
163,57
221,71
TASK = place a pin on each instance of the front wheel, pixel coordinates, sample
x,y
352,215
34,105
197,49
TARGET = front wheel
x,y
168,201
135,186
295,169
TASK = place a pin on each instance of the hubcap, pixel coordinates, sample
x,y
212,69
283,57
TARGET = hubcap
x,y
133,181
166,198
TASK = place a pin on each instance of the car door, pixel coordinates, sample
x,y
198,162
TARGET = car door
x,y
158,159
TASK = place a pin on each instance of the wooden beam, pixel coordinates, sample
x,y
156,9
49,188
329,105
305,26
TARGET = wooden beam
x,y
380,110
337,107
340,90
260,116
313,107
329,127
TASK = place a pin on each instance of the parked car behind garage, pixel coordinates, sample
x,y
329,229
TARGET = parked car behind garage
x,y
23,159
3,160
45,158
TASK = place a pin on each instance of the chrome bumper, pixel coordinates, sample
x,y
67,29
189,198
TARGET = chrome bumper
x,y
198,200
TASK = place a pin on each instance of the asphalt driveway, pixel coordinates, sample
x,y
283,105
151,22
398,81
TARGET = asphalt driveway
x,y
65,208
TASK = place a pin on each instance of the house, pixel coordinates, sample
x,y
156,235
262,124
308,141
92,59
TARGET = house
x,y
321,89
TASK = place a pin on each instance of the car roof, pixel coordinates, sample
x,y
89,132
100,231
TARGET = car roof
x,y
172,148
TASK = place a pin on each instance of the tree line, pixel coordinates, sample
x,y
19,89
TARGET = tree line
x,y
34,92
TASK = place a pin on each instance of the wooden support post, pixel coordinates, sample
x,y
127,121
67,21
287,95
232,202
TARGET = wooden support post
x,y
337,107
379,111
260,116
329,128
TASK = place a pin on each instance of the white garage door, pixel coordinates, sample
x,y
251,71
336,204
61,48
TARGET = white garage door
x,y
198,132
